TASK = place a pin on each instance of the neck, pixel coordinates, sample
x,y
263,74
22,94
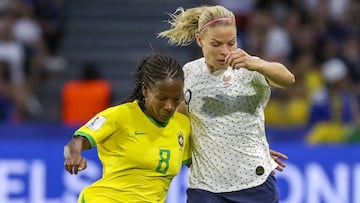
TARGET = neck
x,y
156,122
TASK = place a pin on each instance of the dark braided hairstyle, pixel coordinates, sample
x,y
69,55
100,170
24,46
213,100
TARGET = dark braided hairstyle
x,y
152,69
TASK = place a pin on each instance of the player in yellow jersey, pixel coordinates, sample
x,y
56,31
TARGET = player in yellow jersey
x,y
142,143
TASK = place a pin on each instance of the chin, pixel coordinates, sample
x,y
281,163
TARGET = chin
x,y
220,66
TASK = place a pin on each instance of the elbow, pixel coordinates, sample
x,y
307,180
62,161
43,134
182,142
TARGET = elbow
x,y
288,78
291,80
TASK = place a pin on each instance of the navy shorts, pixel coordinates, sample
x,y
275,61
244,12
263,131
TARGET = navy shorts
x,y
264,193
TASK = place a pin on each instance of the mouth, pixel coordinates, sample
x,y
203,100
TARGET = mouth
x,y
221,62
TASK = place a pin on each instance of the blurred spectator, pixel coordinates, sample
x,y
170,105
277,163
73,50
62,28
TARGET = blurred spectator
x,y
308,71
289,108
28,32
350,55
242,10
10,49
12,53
7,103
51,15
83,98
4,5
27,37
334,106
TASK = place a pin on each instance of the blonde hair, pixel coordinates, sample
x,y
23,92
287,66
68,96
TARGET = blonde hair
x,y
186,23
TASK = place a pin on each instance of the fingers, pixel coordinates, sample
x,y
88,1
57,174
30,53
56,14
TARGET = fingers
x,y
74,165
280,163
279,168
280,155
236,59
82,165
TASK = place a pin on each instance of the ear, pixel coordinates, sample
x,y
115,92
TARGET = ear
x,y
198,39
144,90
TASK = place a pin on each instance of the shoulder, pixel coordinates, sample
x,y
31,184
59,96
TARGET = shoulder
x,y
180,116
121,110
182,119
194,63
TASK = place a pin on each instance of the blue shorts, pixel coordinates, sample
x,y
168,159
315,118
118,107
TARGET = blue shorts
x,y
264,193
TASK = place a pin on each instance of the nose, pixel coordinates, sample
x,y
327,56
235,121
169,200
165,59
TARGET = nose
x,y
169,106
224,49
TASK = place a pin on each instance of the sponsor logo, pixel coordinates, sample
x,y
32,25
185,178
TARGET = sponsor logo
x,y
139,133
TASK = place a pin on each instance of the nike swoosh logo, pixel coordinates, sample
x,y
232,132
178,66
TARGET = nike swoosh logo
x,y
139,133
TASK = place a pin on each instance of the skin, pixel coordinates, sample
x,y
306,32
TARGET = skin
x,y
219,47
216,43
161,101
163,98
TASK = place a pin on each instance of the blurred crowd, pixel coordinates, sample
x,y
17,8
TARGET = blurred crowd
x,y
30,33
318,40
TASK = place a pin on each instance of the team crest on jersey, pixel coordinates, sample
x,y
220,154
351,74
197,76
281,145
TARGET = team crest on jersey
x,y
181,139
226,79
96,122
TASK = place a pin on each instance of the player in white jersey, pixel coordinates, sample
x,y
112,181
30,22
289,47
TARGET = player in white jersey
x,y
226,92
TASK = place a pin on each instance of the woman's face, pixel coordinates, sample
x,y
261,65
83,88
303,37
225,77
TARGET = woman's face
x,y
216,42
162,99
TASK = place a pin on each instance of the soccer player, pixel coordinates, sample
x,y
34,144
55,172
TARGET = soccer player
x,y
226,92
142,143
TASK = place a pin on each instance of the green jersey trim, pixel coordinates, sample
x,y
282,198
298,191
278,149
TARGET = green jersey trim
x,y
91,139
187,161
160,125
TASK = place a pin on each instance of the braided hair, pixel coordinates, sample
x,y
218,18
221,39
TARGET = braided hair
x,y
152,69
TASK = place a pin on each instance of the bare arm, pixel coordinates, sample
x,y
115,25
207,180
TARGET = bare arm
x,y
74,162
275,72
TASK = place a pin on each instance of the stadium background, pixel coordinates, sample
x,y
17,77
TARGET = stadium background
x,y
116,34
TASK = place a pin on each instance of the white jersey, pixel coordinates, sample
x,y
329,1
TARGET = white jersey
x,y
226,109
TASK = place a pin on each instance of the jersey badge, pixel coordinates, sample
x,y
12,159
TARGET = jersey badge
x,y
181,139
96,122
226,79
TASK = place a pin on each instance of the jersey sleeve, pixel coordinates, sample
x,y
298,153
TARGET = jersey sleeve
x,y
98,128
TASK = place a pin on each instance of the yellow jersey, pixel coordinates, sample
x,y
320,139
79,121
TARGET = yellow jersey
x,y
139,157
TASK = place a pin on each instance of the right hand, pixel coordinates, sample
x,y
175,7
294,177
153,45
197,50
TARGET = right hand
x,y
73,162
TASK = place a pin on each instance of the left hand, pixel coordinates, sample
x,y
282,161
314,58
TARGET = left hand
x,y
278,157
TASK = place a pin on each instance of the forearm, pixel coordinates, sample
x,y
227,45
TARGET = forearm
x,y
74,162
276,73
76,146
